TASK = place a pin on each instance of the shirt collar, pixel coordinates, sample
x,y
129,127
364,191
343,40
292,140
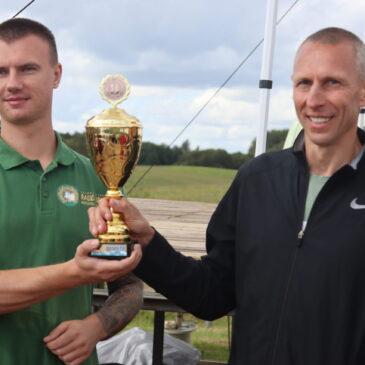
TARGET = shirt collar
x,y
64,154
298,145
357,159
11,158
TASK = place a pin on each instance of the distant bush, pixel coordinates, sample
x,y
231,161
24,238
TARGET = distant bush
x,y
76,141
214,158
275,141
153,154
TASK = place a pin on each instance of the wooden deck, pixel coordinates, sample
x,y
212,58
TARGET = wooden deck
x,y
182,223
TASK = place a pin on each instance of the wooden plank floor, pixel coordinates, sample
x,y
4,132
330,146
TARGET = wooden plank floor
x,y
182,223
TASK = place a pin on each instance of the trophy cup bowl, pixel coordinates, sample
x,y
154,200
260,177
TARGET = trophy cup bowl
x,y
114,139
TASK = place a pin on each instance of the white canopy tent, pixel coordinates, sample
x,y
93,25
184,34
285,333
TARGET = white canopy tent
x,y
266,72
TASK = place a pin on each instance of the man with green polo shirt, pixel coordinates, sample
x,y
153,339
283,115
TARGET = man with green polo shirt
x,y
45,191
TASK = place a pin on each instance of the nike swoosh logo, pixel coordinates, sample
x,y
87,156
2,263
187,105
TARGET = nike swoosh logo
x,y
356,206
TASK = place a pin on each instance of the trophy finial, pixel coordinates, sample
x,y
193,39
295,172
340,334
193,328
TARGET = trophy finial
x,y
114,89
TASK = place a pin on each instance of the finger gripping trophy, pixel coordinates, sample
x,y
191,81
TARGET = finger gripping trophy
x,y
114,139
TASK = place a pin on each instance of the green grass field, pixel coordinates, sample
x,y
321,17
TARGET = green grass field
x,y
187,183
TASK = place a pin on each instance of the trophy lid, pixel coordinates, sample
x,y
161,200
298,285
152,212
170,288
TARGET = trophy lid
x,y
114,89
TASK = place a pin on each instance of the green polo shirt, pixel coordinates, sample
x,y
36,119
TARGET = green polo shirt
x,y
43,217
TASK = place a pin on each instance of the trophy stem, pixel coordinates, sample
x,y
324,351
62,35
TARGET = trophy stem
x,y
116,229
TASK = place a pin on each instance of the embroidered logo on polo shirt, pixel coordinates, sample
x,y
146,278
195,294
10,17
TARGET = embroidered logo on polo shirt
x,y
68,195
89,198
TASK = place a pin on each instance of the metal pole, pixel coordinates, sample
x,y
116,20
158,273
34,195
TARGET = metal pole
x,y
266,71
362,110
361,118
158,335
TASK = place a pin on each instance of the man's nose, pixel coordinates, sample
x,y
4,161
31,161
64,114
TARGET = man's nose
x,y
315,96
14,82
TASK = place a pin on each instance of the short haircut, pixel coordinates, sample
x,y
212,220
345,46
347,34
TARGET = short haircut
x,y
17,28
334,36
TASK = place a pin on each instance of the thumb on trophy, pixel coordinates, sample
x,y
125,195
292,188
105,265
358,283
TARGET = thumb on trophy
x,y
139,229
98,216
125,208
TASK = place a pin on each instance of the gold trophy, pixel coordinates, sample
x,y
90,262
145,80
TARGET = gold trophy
x,y
114,139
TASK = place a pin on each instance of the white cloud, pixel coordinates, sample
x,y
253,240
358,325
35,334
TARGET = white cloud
x,y
220,57
66,127
229,106
176,54
152,59
282,109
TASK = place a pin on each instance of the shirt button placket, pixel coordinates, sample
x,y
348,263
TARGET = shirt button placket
x,y
44,193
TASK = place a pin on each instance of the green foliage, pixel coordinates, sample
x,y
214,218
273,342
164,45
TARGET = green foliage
x,y
275,141
76,141
153,154
214,158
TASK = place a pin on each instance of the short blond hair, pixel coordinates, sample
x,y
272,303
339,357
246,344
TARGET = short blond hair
x,y
333,35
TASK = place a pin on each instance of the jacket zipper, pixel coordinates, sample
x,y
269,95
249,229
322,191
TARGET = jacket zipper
x,y
285,297
300,237
299,243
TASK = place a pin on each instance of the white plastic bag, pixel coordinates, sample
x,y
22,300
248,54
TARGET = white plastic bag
x,y
134,347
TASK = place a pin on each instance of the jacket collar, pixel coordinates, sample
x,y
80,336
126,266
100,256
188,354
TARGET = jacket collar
x,y
299,141
299,149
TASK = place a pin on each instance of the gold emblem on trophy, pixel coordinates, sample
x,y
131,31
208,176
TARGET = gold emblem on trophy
x,y
114,139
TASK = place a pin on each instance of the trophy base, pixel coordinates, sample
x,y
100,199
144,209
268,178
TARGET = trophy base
x,y
113,250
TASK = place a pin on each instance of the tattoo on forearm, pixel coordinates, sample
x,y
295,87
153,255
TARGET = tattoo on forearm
x,y
122,305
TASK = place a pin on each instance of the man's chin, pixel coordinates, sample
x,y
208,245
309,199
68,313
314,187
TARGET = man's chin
x,y
320,140
17,120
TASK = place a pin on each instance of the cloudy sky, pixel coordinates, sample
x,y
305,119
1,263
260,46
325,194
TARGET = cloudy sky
x,y
176,54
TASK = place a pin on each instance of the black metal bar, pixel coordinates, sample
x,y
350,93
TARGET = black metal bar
x,y
158,334
265,84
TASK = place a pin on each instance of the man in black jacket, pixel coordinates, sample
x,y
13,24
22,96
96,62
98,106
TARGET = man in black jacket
x,y
286,245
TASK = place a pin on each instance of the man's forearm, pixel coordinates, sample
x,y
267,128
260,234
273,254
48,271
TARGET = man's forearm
x,y
122,305
22,288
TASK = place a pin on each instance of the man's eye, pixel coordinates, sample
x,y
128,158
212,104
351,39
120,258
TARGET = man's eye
x,y
303,83
333,82
28,68
2,72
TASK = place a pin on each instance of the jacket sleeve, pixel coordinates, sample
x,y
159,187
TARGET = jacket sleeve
x,y
202,287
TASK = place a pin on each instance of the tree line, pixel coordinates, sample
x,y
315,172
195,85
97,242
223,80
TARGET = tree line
x,y
161,154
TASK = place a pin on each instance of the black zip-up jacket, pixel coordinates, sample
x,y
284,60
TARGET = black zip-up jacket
x,y
299,298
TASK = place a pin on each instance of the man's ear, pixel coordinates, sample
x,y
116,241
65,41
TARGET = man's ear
x,y
58,74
